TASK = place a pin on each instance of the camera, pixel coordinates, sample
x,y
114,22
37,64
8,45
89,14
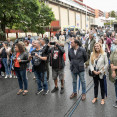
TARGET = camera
x,y
52,43
32,54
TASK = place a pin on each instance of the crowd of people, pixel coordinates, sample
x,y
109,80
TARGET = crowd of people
x,y
96,50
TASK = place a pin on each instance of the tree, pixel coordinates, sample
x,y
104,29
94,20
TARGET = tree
x,y
112,14
44,18
26,15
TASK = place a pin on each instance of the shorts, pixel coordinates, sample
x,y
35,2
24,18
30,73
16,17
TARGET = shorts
x,y
58,72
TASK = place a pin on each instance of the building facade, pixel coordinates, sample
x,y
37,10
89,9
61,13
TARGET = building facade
x,y
69,13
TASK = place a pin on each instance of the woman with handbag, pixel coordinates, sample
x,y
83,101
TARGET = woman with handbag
x,y
20,58
113,72
98,66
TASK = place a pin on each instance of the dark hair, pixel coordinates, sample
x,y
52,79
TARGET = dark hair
x,y
77,42
26,41
20,47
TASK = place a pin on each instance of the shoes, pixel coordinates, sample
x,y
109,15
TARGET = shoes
x,y
10,76
83,97
34,78
2,74
94,100
19,92
6,76
45,92
73,95
55,89
62,91
25,93
115,105
38,92
102,102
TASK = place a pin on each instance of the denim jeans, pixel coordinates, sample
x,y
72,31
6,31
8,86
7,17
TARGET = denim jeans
x,y
4,61
116,88
22,80
41,80
82,79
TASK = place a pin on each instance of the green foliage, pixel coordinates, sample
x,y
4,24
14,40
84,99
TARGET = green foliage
x,y
112,14
26,15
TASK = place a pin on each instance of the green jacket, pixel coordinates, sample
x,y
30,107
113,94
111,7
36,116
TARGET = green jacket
x,y
113,60
92,42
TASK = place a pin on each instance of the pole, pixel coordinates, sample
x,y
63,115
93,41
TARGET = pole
x,y
110,19
86,17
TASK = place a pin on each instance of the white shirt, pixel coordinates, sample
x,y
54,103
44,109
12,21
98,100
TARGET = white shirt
x,y
75,51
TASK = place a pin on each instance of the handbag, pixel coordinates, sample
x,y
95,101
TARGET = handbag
x,y
91,73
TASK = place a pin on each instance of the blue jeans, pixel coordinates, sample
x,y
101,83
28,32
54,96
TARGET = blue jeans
x,y
116,88
83,82
4,61
21,75
41,80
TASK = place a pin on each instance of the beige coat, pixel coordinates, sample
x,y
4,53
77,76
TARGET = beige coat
x,y
102,64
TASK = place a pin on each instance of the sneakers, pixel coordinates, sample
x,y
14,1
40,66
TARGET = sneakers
x,y
45,92
2,74
38,92
115,105
55,89
62,91
73,95
10,76
6,76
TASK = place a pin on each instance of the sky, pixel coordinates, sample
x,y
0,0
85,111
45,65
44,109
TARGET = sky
x,y
104,5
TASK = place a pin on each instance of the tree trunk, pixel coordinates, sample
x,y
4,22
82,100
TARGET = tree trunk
x,y
3,33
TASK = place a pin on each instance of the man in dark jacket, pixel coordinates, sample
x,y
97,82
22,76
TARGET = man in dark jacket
x,y
57,63
77,57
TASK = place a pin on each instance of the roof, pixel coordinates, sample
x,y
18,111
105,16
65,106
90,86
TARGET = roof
x,y
72,3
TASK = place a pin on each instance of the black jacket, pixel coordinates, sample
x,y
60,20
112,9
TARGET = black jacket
x,y
77,61
60,56
24,60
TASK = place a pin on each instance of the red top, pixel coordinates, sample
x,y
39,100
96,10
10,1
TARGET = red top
x,y
16,63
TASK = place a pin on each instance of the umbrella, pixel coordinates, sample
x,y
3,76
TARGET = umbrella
x,y
79,85
105,85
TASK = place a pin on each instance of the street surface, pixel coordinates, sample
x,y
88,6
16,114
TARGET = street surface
x,y
53,105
